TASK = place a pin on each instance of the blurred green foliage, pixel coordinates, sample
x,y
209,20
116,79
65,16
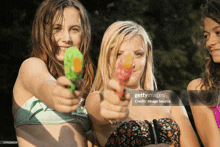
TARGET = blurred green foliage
x,y
176,31
174,26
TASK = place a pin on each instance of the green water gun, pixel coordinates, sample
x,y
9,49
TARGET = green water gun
x,y
73,65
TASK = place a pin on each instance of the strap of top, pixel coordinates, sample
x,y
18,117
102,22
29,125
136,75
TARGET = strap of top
x,y
216,112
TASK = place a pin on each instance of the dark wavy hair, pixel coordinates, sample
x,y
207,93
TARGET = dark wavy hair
x,y
211,78
210,84
44,45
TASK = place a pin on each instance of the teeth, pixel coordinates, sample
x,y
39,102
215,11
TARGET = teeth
x,y
63,48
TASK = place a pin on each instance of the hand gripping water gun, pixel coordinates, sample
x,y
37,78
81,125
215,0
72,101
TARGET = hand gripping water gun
x,y
123,73
73,65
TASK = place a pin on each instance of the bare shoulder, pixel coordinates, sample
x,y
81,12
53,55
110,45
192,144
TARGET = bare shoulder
x,y
32,67
25,81
93,98
195,84
32,73
32,63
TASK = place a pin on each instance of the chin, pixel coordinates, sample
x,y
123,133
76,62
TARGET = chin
x,y
132,83
61,59
216,59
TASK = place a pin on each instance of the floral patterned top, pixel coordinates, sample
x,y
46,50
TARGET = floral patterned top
x,y
141,133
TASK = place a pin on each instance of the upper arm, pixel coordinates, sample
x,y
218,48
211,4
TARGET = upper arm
x,y
205,125
187,134
194,84
193,91
203,116
32,74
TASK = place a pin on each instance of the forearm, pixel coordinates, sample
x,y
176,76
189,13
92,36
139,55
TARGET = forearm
x,y
206,125
93,108
187,134
209,136
98,119
211,142
44,92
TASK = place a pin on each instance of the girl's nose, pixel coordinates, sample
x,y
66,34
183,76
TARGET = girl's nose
x,y
66,37
213,40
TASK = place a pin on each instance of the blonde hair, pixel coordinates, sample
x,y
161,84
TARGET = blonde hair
x,y
113,38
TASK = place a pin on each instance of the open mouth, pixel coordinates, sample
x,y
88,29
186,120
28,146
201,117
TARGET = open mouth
x,y
63,49
215,51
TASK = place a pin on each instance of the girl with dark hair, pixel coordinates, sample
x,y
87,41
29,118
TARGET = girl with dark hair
x,y
207,118
45,112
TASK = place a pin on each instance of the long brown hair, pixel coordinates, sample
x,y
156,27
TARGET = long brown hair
x,y
45,46
211,78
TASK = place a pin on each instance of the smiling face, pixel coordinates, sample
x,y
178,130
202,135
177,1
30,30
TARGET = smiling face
x,y
67,31
212,36
135,47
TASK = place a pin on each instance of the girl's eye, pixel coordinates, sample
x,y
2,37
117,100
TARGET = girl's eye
x,y
139,54
57,29
75,29
118,54
205,37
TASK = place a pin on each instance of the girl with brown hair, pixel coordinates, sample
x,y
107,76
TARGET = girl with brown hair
x,y
207,112
45,112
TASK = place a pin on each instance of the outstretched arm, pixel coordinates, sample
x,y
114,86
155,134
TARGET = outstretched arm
x,y
36,80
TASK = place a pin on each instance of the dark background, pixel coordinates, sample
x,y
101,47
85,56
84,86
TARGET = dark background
x,y
174,26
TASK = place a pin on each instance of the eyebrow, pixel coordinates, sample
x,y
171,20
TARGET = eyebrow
x,y
137,50
76,26
60,25
57,24
204,31
140,49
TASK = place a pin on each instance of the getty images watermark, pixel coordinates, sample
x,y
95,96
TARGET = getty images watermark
x,y
8,142
146,96
150,98
174,98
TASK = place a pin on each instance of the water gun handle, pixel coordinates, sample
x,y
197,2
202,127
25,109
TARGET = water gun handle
x,y
73,66
123,73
